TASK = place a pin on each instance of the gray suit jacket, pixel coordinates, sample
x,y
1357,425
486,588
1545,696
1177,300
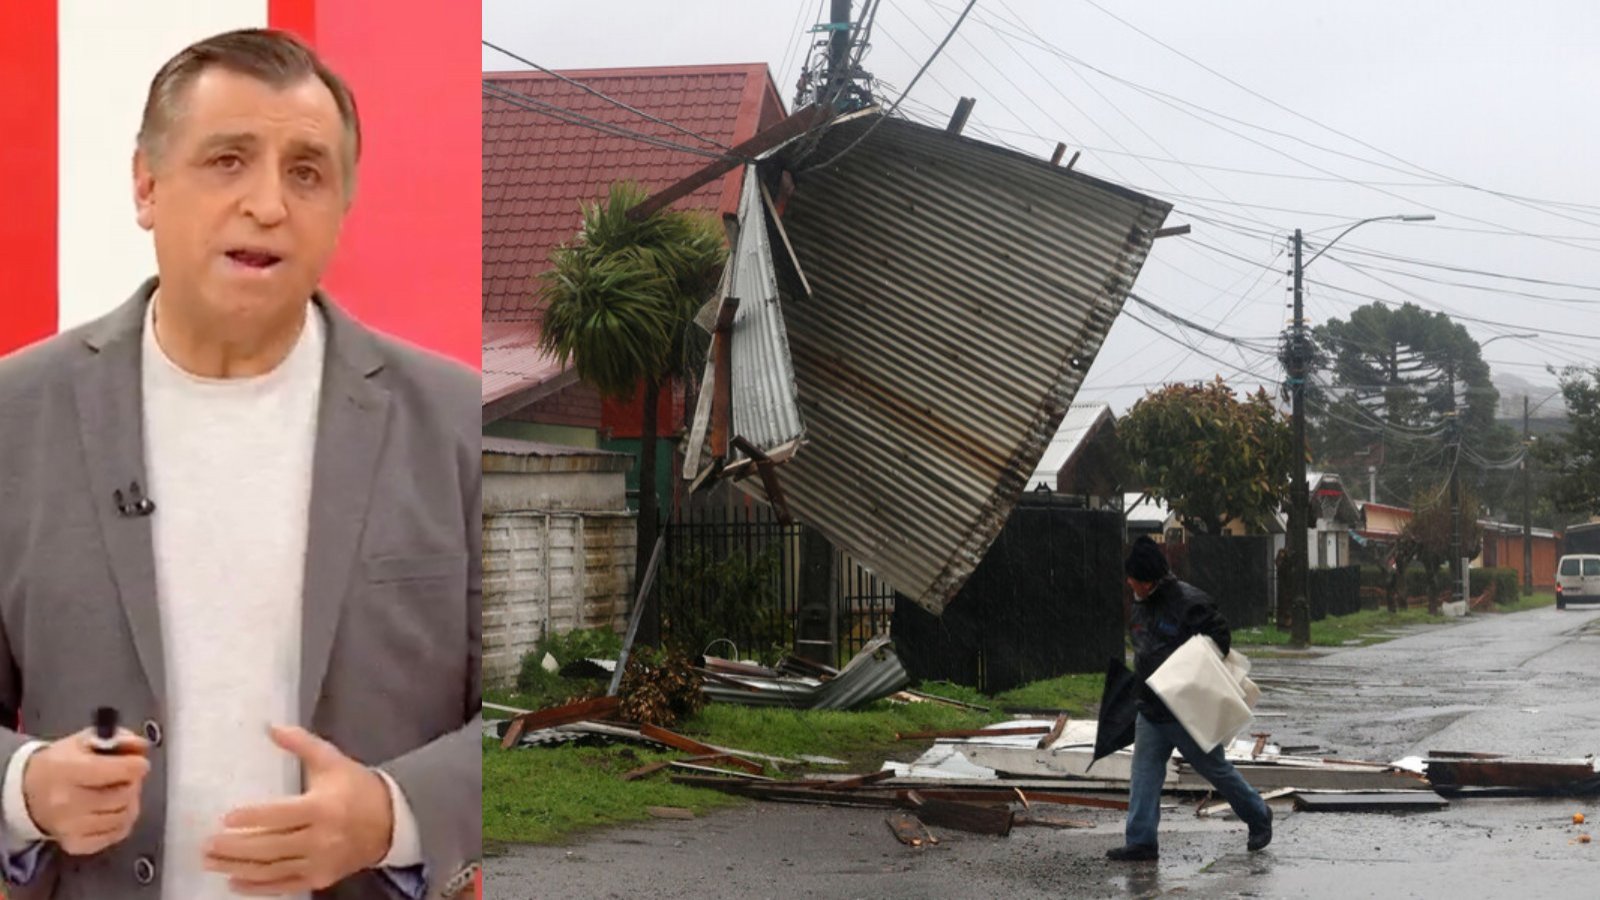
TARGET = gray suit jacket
x,y
393,581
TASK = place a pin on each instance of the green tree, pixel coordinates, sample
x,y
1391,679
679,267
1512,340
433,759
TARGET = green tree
x,y
619,304
1572,459
1426,539
1386,383
1210,456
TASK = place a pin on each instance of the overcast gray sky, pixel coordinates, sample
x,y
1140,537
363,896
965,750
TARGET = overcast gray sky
x,y
1430,96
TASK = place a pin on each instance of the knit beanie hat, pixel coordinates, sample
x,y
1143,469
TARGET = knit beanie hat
x,y
1146,562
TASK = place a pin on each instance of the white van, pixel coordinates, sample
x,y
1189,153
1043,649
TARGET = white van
x,y
1578,579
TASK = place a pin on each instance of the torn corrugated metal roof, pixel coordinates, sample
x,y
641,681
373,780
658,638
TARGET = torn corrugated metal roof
x,y
960,291
764,409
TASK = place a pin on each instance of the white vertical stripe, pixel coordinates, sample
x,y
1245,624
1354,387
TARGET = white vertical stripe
x,y
109,50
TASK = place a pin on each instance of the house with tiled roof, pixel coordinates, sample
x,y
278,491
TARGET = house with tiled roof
x,y
550,146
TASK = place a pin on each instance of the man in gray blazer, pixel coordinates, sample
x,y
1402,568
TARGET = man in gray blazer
x,y
252,527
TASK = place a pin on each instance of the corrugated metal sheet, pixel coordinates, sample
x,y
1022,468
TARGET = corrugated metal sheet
x,y
872,674
1075,426
765,409
961,291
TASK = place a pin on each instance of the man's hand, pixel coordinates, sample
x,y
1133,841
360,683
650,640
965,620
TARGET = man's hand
x,y
82,800
342,824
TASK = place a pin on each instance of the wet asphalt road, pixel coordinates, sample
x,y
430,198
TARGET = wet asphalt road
x,y
1527,683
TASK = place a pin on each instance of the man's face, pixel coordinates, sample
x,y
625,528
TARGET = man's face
x,y
1141,589
245,198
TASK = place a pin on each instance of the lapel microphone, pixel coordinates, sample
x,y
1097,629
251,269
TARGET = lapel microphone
x,y
134,504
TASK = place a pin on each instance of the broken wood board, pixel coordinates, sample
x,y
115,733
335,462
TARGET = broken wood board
x,y
558,715
1028,797
849,784
1054,734
1514,777
973,817
788,792
1269,776
669,812
646,769
722,774
690,745
1369,801
909,830
1221,806
910,696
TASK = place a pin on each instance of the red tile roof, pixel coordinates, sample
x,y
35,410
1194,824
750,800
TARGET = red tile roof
x,y
537,170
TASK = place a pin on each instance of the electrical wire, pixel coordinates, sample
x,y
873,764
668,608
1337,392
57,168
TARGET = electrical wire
x,y
612,100
562,114
873,127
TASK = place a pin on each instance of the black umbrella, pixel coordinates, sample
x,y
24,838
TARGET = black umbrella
x,y
1119,707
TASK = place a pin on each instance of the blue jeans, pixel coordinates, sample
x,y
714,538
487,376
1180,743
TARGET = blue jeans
x,y
1153,743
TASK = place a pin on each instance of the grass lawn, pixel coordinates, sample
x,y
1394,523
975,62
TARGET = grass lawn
x,y
547,794
1369,626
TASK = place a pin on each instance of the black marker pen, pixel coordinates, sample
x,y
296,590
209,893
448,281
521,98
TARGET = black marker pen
x,y
104,739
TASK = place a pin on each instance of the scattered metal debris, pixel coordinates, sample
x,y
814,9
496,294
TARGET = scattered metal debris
x,y
874,673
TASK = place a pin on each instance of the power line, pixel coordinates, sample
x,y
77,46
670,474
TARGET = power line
x,y
1445,179
1182,105
612,100
562,114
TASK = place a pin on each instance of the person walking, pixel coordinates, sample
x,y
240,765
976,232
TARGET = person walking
x,y
1166,613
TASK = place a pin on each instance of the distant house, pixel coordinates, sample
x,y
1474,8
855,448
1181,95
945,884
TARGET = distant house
x,y
1502,546
1081,460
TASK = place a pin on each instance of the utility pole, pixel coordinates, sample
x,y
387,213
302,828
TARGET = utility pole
x,y
838,47
1299,494
1527,505
1456,572
1297,360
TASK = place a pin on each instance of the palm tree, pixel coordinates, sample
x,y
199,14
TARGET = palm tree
x,y
619,304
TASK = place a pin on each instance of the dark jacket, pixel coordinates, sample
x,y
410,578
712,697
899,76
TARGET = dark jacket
x,y
1173,612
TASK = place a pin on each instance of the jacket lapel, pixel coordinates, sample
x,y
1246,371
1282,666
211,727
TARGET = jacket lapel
x,y
107,391
351,421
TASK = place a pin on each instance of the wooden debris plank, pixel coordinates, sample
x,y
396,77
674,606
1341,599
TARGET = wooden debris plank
x,y
1051,736
689,745
850,784
646,769
1006,795
1221,806
911,696
972,732
906,829
583,710
1508,773
971,817
720,774
669,812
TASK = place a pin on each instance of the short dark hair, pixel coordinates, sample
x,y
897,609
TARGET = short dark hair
x,y
274,57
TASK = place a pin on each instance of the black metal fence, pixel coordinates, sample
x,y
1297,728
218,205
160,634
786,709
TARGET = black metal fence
x,y
729,575
1334,592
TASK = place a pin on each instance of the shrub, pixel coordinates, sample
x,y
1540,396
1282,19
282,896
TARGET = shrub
x,y
736,597
1504,579
566,647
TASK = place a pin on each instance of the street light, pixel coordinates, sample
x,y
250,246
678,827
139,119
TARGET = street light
x,y
1299,491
